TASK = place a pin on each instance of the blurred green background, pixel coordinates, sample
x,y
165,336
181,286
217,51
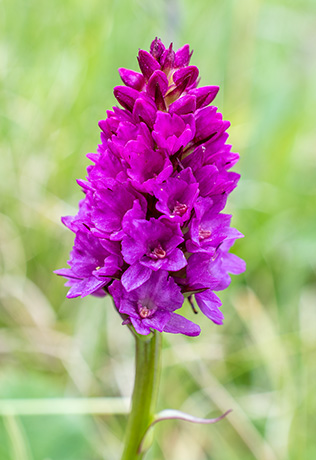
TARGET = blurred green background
x,y
58,65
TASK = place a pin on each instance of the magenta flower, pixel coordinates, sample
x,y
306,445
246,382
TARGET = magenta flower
x,y
150,227
150,246
150,307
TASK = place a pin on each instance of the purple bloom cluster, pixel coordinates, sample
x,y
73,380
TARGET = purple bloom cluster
x,y
149,230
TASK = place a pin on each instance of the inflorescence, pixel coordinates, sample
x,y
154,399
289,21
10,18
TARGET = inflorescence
x,y
149,230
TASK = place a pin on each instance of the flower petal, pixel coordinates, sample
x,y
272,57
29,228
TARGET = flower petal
x,y
135,276
180,325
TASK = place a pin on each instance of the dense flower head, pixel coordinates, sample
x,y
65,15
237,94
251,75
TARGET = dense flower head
x,y
150,230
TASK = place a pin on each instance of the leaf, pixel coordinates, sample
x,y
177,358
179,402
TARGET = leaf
x,y
171,414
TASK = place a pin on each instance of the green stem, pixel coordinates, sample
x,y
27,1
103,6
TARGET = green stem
x,y
148,363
